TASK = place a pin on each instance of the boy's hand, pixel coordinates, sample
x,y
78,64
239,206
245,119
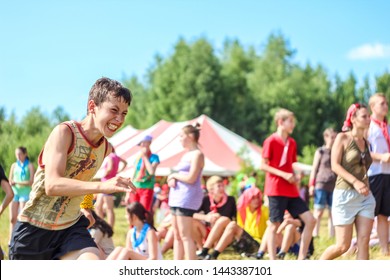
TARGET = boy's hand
x,y
118,184
290,177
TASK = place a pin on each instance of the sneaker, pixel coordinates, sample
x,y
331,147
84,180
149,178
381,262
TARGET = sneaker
x,y
280,255
201,256
209,257
260,255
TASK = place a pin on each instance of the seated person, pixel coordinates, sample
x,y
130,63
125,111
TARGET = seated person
x,y
102,233
165,233
293,228
249,228
141,241
216,212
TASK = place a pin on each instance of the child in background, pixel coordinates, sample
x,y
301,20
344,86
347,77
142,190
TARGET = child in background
x,y
102,233
141,241
292,229
247,232
278,156
21,177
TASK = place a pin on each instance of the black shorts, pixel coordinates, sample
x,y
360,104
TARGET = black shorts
x,y
178,211
29,242
246,244
279,204
380,188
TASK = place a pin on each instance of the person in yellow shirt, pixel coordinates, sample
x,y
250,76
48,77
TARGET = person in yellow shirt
x,y
245,234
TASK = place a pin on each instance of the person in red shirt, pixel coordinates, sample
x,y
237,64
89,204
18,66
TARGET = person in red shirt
x,y
278,156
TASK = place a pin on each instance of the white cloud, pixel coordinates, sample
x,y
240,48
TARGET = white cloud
x,y
369,51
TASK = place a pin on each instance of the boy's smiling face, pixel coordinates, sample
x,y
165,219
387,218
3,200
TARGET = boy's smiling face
x,y
110,115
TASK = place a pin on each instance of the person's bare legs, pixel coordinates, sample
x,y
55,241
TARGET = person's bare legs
x,y
13,214
184,245
383,234
330,223
216,231
307,232
199,232
317,213
232,231
288,238
271,242
343,235
89,253
184,225
178,250
115,254
168,241
99,205
110,214
363,230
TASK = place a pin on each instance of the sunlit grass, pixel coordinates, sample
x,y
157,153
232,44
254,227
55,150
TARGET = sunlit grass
x,y
121,227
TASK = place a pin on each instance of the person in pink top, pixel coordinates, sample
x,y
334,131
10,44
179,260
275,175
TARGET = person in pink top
x,y
278,156
104,205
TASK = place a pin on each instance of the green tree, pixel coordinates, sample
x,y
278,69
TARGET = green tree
x,y
383,84
185,84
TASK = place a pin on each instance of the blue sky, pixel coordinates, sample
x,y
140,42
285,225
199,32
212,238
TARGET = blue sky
x,y
51,52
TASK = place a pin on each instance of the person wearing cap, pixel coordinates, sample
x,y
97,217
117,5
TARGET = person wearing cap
x,y
145,166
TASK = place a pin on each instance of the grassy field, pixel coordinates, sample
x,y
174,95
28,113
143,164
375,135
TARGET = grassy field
x,y
121,227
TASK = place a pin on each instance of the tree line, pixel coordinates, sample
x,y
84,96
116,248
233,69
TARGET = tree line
x,y
239,87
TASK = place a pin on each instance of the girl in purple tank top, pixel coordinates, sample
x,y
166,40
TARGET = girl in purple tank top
x,y
185,196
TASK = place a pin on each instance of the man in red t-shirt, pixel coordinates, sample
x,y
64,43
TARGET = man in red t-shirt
x,y
278,156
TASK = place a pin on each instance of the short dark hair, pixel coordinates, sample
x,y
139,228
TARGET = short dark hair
x,y
104,87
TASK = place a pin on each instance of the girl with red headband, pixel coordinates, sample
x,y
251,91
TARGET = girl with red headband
x,y
353,202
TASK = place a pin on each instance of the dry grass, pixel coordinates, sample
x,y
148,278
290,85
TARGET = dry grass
x,y
121,228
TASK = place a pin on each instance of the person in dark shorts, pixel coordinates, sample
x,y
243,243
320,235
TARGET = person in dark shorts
x,y
9,195
51,225
278,156
379,171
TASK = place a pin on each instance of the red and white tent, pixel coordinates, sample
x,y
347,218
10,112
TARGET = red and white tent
x,y
219,145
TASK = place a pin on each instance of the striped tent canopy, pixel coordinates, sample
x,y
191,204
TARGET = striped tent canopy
x,y
220,146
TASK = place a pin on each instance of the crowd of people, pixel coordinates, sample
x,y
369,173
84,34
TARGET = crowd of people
x,y
60,212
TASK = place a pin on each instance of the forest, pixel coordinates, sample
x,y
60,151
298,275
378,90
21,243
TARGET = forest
x,y
238,86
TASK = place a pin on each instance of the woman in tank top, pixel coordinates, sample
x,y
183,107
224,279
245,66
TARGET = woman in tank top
x,y
353,202
186,195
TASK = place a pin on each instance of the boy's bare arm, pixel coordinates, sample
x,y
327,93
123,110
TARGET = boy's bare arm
x,y
55,159
264,166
